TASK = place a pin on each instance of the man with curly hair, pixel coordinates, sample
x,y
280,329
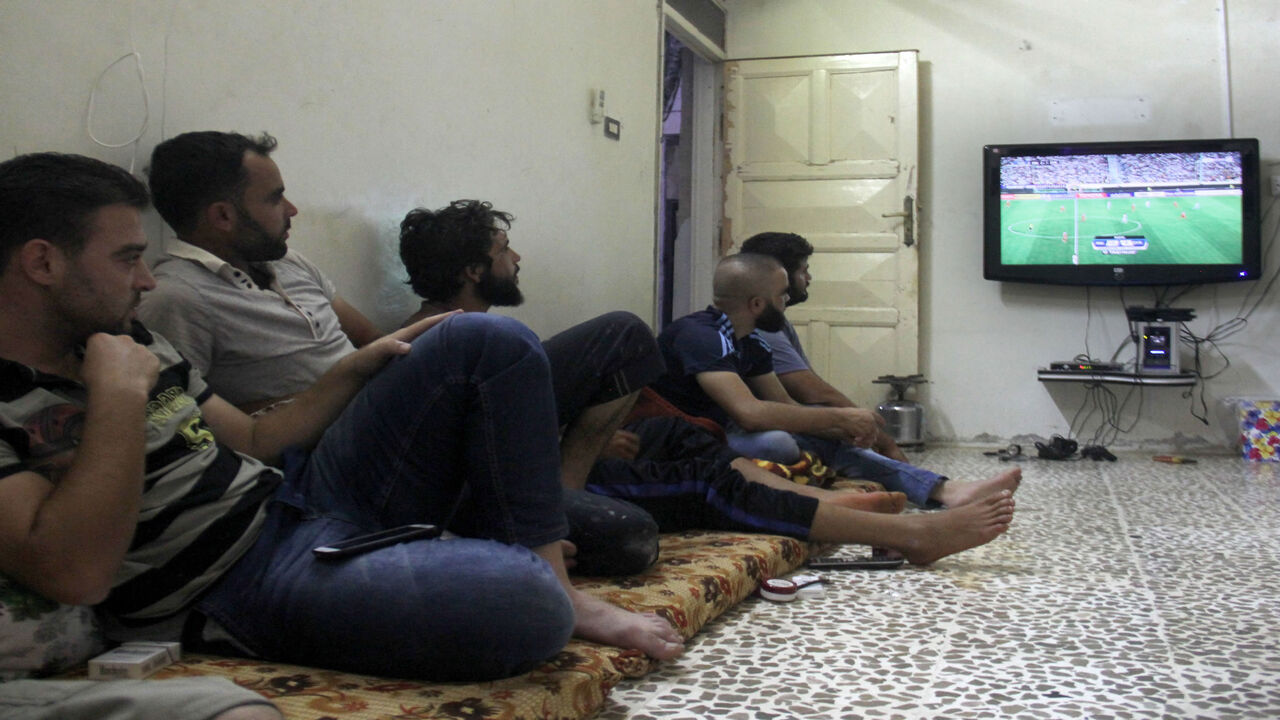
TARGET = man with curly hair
x,y
460,257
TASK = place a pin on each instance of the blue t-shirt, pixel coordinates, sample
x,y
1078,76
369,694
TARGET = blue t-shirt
x,y
704,342
788,355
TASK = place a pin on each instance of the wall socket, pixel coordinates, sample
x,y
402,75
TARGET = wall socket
x,y
1275,185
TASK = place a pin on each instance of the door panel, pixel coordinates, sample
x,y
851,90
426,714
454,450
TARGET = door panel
x,y
826,147
782,135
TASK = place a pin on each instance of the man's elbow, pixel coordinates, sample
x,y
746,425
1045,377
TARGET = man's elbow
x,y
86,596
75,588
77,579
753,419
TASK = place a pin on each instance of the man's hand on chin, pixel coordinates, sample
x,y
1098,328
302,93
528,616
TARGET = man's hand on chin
x,y
117,362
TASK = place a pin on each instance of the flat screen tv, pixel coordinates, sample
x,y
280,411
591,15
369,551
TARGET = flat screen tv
x,y
1161,212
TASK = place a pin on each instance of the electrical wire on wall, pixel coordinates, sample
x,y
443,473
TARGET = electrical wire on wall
x,y
1206,346
1101,404
164,74
1209,360
136,57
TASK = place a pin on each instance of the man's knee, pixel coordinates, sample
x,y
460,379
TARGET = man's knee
x,y
630,336
773,445
635,359
471,342
621,321
487,328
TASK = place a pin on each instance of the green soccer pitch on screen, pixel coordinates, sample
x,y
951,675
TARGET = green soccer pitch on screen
x,y
1139,213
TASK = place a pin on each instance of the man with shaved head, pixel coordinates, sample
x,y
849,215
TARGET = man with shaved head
x,y
719,367
717,363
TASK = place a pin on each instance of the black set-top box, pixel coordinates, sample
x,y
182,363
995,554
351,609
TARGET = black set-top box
x,y
1086,367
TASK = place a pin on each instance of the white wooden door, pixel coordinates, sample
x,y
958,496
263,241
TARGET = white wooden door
x,y
825,147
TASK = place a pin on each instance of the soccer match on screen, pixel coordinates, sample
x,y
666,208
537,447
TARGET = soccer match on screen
x,y
1141,209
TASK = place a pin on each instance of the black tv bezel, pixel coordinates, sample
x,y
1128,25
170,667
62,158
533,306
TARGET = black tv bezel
x,y
1250,267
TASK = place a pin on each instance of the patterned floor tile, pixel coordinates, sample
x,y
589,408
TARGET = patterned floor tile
x,y
1131,589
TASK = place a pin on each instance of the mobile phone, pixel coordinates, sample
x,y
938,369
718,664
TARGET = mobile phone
x,y
867,562
373,541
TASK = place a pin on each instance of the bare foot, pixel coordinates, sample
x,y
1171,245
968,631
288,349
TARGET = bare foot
x,y
944,533
954,494
880,502
603,622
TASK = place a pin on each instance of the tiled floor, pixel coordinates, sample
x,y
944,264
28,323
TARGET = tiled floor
x,y
1132,589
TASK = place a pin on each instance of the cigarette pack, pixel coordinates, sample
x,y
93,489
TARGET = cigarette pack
x,y
134,660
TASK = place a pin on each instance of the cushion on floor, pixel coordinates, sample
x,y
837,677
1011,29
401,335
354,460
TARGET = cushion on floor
x,y
698,576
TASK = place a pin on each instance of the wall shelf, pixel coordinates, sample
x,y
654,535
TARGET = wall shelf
x,y
1120,378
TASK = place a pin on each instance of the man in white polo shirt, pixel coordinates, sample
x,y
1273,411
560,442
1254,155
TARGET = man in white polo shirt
x,y
258,318
262,323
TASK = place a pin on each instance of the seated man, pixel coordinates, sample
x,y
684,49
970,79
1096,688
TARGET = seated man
x,y
263,323
258,319
790,363
126,481
460,258
719,367
684,476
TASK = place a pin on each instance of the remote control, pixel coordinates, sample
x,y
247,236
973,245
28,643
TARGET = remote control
x,y
833,562
373,541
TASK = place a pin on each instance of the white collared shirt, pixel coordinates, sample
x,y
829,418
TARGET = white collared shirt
x,y
251,343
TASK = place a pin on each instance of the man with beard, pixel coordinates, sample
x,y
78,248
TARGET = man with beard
x,y
259,319
789,361
263,323
460,258
720,367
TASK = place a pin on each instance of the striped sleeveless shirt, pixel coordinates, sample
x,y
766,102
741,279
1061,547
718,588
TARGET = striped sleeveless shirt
x,y
202,503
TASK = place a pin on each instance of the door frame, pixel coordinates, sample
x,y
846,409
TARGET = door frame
x,y
696,255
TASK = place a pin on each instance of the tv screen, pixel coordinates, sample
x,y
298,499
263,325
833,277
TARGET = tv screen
x,y
1162,212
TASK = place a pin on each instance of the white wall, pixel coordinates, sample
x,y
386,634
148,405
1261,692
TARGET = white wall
x,y
380,106
993,71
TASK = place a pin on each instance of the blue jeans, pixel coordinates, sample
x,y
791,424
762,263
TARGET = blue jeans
x,y
854,462
461,432
774,445
847,460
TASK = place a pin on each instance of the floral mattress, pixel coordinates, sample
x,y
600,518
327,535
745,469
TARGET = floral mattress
x,y
698,576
